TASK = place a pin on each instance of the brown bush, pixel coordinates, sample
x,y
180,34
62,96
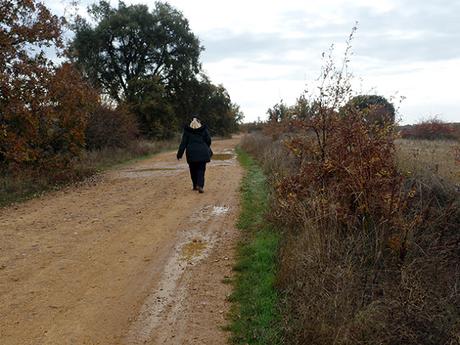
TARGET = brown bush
x,y
432,129
46,130
110,128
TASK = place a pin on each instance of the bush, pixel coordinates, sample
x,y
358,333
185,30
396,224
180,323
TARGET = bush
x,y
45,130
110,128
379,278
431,129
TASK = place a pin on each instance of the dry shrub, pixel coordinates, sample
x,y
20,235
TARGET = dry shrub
x,y
111,128
431,129
276,160
365,282
105,157
45,132
256,144
369,255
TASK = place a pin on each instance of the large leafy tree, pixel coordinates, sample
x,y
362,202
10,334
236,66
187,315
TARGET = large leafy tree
x,y
129,44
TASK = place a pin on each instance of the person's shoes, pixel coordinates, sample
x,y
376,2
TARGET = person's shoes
x,y
200,190
195,188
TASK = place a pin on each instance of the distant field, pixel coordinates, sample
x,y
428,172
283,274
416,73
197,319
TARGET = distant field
x,y
436,157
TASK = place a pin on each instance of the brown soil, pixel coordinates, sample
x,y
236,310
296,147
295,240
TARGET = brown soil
x,y
134,258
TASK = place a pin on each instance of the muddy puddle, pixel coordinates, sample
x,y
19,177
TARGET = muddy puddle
x,y
222,156
153,169
193,249
150,172
219,210
207,212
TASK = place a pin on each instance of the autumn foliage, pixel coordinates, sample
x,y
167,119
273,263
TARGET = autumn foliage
x,y
43,107
431,129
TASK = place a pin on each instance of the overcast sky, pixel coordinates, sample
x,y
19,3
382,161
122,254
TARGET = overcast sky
x,y
264,51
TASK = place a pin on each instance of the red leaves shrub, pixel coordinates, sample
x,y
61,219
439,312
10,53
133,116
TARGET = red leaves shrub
x,y
70,101
43,122
369,255
432,129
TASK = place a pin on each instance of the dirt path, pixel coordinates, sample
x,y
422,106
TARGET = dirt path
x,y
136,258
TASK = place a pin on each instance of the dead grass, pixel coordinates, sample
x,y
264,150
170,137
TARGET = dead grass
x,y
432,157
109,157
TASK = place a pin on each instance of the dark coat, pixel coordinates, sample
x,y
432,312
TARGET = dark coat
x,y
196,143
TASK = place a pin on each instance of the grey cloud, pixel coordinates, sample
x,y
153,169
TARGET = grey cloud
x,y
439,23
253,46
439,27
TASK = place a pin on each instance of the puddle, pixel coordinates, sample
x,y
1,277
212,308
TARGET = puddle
x,y
219,210
149,172
193,249
153,169
222,156
207,212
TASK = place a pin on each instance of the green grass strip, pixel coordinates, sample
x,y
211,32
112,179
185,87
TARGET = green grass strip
x,y
255,318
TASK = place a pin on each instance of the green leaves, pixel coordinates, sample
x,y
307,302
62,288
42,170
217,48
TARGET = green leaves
x,y
130,43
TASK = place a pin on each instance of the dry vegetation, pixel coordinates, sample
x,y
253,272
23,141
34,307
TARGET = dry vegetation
x,y
348,285
27,183
437,158
370,249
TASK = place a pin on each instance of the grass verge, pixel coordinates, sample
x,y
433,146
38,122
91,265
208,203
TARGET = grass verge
x,y
255,317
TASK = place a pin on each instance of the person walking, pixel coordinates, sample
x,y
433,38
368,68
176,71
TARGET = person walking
x,y
196,142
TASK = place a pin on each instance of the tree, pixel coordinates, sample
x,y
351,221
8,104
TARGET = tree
x,y
377,109
130,44
215,108
42,108
153,110
212,103
279,112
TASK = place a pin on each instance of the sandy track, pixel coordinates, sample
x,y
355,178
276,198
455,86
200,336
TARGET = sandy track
x,y
136,258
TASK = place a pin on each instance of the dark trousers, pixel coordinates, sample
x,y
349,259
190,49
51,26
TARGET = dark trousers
x,y
197,170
